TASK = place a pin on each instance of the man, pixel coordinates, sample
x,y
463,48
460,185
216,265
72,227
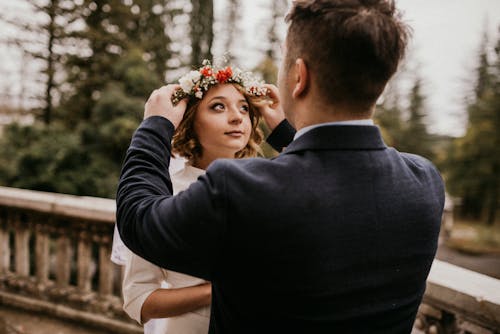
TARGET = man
x,y
335,235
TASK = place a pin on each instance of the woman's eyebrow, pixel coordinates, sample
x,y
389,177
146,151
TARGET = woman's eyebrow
x,y
217,97
224,98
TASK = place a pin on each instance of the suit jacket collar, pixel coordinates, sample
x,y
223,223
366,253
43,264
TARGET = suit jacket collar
x,y
339,137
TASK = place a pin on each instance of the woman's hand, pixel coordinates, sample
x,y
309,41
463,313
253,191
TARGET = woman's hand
x,y
160,104
271,109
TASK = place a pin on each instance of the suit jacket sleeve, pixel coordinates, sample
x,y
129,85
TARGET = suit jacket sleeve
x,y
281,136
181,232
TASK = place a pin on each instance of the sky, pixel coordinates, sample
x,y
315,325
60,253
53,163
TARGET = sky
x,y
444,48
447,35
446,38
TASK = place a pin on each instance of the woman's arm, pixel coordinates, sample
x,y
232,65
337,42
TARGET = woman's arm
x,y
164,303
144,298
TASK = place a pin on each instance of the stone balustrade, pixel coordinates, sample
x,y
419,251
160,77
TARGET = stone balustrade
x,y
458,300
54,258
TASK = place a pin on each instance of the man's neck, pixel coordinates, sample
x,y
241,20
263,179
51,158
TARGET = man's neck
x,y
306,118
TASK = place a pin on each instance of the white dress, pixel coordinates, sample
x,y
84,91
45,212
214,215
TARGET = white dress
x,y
141,278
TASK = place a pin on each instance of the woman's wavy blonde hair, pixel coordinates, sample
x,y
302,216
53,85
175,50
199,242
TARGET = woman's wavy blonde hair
x,y
185,142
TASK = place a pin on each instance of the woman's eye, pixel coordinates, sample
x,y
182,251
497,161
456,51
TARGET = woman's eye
x,y
218,106
245,108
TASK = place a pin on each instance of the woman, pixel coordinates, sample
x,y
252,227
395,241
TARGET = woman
x,y
220,121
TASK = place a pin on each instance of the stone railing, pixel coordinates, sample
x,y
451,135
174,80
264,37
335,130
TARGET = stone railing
x,y
54,258
458,300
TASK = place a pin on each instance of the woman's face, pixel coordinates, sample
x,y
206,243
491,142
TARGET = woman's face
x,y
222,122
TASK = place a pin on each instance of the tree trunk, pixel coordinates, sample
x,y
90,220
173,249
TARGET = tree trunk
x,y
47,112
202,18
493,206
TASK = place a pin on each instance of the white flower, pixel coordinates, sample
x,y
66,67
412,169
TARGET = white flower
x,y
188,81
236,73
194,75
199,94
186,84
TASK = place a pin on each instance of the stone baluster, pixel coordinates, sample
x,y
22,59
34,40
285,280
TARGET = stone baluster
x,y
42,255
65,229
4,250
84,263
63,260
22,261
105,268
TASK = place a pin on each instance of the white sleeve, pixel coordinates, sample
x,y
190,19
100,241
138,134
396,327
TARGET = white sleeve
x,y
140,279
119,252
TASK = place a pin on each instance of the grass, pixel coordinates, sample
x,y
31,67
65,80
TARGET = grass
x,y
475,238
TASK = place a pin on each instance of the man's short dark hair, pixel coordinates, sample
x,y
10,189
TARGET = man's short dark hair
x,y
352,47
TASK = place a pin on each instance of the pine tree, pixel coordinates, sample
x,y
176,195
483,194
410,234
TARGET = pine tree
x,y
112,29
415,138
474,165
112,65
388,118
40,38
202,34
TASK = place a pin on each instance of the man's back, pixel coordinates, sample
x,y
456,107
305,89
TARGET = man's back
x,y
331,236
337,234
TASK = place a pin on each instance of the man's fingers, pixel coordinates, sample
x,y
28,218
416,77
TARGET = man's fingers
x,y
273,93
168,90
182,104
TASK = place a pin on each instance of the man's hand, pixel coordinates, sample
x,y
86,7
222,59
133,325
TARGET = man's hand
x,y
271,110
160,104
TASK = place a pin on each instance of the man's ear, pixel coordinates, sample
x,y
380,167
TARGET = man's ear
x,y
300,78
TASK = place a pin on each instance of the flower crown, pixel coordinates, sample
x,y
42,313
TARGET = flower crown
x,y
196,83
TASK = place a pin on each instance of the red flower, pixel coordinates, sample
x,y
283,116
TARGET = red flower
x,y
206,71
223,75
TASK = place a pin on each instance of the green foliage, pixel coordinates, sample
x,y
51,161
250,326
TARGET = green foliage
x,y
83,158
268,69
46,158
406,129
114,30
110,56
415,138
473,166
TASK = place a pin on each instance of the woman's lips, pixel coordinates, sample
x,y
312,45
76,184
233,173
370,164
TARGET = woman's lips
x,y
235,134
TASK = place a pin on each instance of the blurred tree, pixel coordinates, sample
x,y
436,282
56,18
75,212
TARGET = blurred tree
x,y
232,27
415,138
117,67
87,160
473,167
202,33
44,37
388,115
272,54
278,11
112,28
405,128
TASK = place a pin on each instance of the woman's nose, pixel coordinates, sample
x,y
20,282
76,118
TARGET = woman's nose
x,y
235,116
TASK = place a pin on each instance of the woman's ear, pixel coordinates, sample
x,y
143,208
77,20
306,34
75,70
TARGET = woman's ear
x,y
300,78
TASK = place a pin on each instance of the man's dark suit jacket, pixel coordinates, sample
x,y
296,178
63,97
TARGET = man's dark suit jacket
x,y
335,235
